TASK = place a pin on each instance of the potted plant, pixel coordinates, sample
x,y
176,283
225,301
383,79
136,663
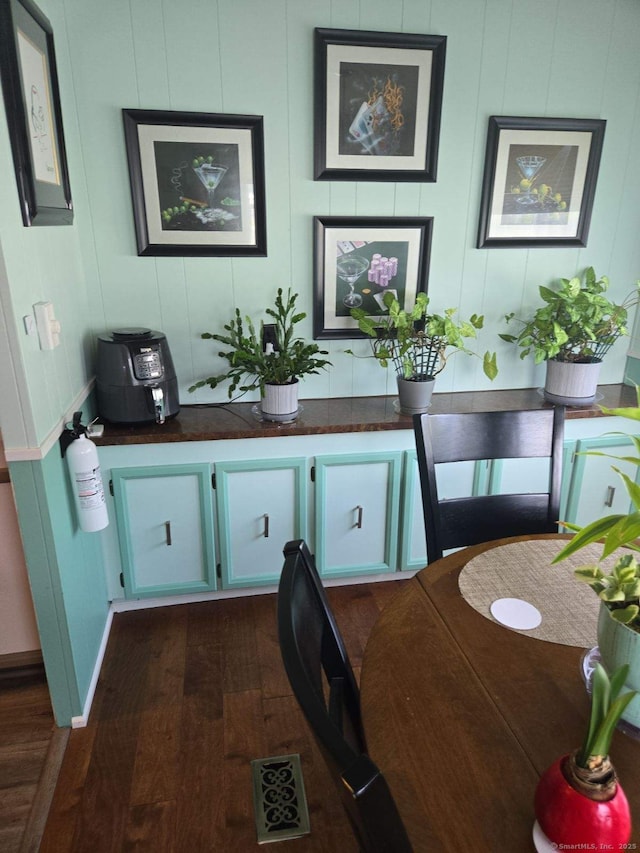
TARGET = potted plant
x,y
619,588
269,358
572,332
418,344
579,802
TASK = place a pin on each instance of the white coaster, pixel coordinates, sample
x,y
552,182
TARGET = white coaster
x,y
516,613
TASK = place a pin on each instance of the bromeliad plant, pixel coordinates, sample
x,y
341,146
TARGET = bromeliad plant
x,y
576,323
418,342
620,588
256,363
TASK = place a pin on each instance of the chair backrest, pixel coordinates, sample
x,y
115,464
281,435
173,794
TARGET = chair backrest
x,y
461,521
324,685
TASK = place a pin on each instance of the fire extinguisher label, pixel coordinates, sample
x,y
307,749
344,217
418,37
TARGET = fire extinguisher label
x,y
89,488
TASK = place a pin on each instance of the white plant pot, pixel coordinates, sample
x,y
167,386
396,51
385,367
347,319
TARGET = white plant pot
x,y
571,383
414,396
619,644
280,402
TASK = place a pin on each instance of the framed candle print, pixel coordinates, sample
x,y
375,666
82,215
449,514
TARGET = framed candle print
x,y
378,99
359,259
34,118
539,181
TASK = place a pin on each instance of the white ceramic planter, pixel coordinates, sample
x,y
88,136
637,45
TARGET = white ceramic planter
x,y
414,396
618,645
280,402
570,383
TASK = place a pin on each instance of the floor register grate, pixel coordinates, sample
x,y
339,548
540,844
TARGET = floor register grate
x,y
279,800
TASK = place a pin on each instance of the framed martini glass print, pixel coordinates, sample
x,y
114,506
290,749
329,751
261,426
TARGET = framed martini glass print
x,y
539,181
197,183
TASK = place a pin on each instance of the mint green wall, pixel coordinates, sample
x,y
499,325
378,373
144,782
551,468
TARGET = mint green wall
x,y
67,581
575,58
251,56
38,390
44,264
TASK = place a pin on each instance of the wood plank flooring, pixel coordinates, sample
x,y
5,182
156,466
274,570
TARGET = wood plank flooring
x,y
26,729
187,697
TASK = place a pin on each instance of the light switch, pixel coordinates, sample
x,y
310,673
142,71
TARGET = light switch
x,y
47,325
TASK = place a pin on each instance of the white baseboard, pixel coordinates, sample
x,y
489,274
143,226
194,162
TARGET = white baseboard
x,y
81,721
124,606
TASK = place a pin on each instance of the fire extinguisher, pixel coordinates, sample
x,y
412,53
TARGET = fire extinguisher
x,y
86,479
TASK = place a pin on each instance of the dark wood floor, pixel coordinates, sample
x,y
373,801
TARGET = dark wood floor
x,y
187,697
26,729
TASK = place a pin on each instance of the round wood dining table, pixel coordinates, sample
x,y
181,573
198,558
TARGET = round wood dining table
x,y
462,715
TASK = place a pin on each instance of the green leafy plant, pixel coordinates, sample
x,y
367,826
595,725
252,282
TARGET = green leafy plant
x,y
620,588
607,706
576,323
252,364
417,342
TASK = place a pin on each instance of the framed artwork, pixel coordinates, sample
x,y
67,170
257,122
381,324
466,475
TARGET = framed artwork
x,y
32,105
378,99
539,181
359,259
197,183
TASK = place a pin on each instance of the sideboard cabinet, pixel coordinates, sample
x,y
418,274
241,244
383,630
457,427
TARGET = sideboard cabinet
x,y
209,516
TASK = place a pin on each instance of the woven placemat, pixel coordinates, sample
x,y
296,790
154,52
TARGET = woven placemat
x,y
568,607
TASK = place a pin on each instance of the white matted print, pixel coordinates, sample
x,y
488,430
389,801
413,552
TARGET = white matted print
x,y
358,260
539,181
197,183
378,100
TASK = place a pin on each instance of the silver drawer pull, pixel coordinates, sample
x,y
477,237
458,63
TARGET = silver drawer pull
x,y
358,523
266,526
610,493
167,531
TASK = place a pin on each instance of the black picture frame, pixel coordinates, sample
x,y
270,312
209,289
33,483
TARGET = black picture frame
x,y
197,183
403,104
406,244
539,181
34,117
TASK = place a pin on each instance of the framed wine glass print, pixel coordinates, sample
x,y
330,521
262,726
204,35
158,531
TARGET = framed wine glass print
x,y
197,183
378,99
358,260
539,182
34,117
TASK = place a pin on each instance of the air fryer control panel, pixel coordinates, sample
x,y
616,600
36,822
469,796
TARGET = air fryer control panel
x,y
147,363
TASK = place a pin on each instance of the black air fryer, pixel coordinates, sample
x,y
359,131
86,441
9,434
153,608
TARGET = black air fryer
x,y
135,378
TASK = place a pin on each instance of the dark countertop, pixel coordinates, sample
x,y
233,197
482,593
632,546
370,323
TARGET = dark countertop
x,y
338,415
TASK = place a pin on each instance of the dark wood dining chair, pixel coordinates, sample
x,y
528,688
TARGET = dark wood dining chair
x,y
462,521
324,685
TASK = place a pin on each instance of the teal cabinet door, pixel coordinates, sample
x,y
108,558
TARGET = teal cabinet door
x,y
595,489
357,512
261,505
165,526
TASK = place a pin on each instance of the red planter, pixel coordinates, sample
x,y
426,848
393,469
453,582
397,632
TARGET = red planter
x,y
569,817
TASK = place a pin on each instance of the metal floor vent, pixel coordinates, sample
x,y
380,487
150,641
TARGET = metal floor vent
x,y
279,800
